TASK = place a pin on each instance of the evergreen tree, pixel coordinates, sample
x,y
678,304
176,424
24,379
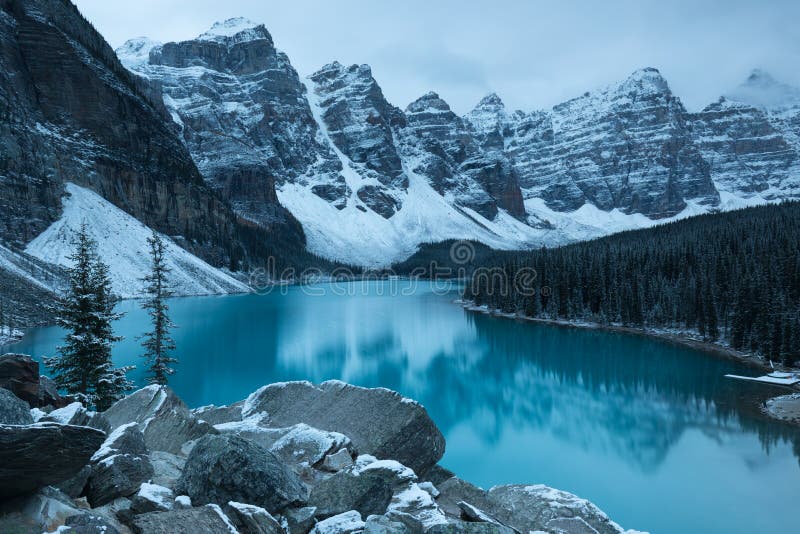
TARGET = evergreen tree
x,y
158,343
83,366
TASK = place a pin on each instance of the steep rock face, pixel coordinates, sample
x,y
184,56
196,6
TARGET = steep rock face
x,y
745,151
242,112
71,112
359,122
628,147
442,149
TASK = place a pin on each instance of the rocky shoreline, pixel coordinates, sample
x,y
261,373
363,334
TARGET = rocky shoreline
x,y
292,458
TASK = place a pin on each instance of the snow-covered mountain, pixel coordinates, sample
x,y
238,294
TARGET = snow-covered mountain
x,y
370,182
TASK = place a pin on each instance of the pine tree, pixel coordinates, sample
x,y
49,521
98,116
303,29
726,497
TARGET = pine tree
x,y
158,343
83,366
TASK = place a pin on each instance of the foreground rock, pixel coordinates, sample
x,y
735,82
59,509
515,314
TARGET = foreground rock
x,y
229,468
367,487
166,422
209,518
120,466
43,454
378,421
13,410
19,374
252,519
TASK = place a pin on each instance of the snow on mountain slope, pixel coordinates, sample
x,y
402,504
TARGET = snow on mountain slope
x,y
122,244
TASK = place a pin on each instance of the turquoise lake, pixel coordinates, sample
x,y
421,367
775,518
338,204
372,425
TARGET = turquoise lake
x,y
650,432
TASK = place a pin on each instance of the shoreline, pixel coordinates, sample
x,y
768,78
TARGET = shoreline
x,y
783,407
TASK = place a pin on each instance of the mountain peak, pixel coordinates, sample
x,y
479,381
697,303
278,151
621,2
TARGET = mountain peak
x,y
238,29
430,102
760,89
648,78
490,102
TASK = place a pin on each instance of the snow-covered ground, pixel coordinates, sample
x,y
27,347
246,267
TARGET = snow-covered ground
x,y
122,244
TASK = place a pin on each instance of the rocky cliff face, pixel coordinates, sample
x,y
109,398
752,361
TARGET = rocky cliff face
x,y
73,113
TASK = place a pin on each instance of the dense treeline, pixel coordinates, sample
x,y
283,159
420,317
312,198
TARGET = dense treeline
x,y
733,277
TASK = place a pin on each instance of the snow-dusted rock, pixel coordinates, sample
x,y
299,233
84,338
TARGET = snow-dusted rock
x,y
120,466
345,523
152,498
75,414
251,519
13,410
380,524
538,507
415,507
299,520
337,461
22,448
215,415
367,487
165,421
209,518
229,468
88,522
378,421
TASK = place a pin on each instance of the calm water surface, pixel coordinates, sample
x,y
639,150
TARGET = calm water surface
x,y
649,431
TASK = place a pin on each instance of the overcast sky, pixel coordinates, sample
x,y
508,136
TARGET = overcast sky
x,y
533,54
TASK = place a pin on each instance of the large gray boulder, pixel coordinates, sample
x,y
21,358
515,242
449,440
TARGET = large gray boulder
x,y
367,487
216,415
209,518
13,410
167,468
379,422
42,454
152,498
166,422
344,523
251,519
229,468
539,507
120,466
75,414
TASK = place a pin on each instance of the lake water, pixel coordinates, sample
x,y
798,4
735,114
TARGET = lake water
x,y
649,431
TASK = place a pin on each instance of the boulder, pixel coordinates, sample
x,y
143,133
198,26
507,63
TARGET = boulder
x,y
152,498
166,422
380,524
454,491
415,508
215,415
209,518
346,523
251,519
378,421
119,467
299,520
167,468
48,394
43,511
366,487
88,523
13,410
229,468
42,454
473,514
74,485
19,373
539,507
337,461
75,414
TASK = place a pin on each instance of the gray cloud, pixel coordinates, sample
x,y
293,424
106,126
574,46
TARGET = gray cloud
x,y
533,54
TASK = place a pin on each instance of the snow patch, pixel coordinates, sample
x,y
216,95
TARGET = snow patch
x,y
122,244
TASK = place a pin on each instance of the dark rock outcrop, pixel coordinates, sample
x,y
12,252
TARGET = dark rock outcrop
x,y
228,468
67,449
378,421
